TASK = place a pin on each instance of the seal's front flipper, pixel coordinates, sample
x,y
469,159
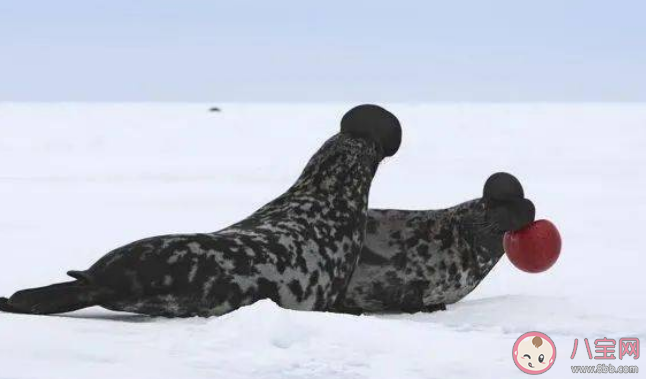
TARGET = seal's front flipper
x,y
56,298
434,307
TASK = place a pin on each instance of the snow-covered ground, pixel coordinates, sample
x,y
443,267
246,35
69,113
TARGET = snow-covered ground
x,y
77,180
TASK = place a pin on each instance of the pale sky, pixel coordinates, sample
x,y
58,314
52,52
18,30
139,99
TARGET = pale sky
x,y
418,51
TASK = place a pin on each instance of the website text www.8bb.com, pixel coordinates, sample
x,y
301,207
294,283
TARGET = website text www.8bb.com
x,y
603,368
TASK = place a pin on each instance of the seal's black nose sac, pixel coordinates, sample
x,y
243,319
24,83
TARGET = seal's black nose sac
x,y
376,124
508,206
503,186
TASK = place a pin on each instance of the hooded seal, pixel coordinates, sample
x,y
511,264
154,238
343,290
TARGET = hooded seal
x,y
416,261
297,250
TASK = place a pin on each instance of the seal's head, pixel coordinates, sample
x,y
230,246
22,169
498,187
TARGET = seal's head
x,y
484,221
368,134
507,207
376,124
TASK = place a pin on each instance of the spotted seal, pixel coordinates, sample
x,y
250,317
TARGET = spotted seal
x,y
298,250
421,260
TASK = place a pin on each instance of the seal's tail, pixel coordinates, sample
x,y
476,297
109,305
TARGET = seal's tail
x,y
56,298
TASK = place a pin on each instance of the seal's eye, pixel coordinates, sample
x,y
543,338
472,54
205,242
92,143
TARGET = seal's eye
x,y
541,358
527,355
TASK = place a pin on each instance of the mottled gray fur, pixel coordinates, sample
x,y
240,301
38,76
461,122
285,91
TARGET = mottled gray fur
x,y
421,260
298,250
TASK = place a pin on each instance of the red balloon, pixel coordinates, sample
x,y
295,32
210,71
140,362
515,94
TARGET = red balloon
x,y
535,248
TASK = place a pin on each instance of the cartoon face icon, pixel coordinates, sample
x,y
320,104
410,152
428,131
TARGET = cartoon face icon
x,y
534,353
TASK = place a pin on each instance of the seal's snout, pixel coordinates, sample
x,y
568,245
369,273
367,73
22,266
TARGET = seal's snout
x,y
508,207
376,124
520,214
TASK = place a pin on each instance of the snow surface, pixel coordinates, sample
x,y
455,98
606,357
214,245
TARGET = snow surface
x,y
77,180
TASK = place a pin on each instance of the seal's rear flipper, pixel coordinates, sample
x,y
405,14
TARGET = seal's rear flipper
x,y
56,298
5,307
81,276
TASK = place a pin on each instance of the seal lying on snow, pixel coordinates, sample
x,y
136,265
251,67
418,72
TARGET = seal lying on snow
x,y
421,260
298,250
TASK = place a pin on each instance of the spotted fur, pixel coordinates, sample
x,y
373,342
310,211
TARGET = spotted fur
x,y
298,250
421,260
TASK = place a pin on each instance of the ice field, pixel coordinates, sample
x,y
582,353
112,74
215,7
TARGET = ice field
x,y
77,180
